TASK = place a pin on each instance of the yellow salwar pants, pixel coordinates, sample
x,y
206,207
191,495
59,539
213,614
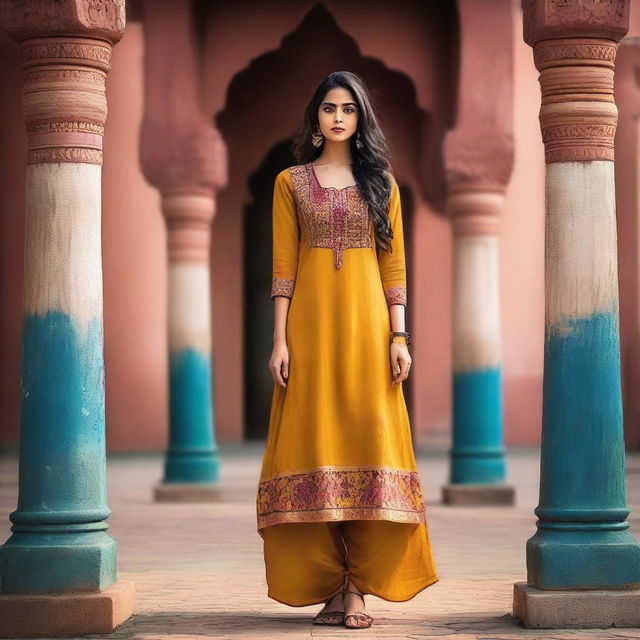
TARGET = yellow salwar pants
x,y
306,562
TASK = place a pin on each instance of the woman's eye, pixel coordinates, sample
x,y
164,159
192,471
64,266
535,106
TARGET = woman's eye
x,y
349,109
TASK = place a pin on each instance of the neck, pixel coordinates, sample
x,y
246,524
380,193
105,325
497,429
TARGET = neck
x,y
335,153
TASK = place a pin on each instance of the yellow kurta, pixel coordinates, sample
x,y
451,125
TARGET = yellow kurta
x,y
339,443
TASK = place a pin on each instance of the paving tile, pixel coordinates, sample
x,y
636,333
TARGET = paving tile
x,y
199,568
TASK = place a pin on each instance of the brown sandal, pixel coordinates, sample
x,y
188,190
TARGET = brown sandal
x,y
358,617
330,617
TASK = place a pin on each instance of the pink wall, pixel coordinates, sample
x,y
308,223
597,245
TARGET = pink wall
x,y
133,231
134,261
13,158
522,257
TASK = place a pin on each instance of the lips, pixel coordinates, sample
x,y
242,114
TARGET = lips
x,y
337,129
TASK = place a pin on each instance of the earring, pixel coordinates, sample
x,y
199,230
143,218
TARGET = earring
x,y
358,141
317,138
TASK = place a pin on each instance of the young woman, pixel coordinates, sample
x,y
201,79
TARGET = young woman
x,y
339,502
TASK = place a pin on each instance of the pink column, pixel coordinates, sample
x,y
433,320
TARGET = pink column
x,y
184,157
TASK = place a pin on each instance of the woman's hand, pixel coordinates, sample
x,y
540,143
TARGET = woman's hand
x,y
400,361
279,363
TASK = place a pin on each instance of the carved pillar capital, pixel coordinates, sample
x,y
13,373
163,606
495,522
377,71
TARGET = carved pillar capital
x,y
574,44
182,154
181,157
66,51
479,151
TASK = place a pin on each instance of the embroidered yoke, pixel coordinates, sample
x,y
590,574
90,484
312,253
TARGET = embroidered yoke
x,y
339,444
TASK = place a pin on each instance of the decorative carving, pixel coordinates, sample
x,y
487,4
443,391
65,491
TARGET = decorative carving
x,y
64,104
549,19
578,116
551,52
94,53
64,74
64,154
603,12
100,19
58,127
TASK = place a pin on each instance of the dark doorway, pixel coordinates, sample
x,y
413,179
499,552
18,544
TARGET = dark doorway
x,y
258,311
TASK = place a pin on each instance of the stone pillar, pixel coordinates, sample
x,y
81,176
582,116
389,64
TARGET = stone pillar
x,y
583,565
184,157
479,160
58,568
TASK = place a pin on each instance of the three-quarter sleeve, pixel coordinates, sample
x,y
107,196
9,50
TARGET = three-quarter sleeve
x,y
286,234
392,265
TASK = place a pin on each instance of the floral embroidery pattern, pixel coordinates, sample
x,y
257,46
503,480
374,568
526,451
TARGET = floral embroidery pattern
x,y
330,217
282,287
332,493
396,295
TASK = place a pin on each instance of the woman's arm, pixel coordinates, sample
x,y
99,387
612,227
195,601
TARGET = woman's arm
x,y
394,282
286,234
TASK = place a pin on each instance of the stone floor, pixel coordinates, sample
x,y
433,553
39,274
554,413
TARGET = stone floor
x,y
199,568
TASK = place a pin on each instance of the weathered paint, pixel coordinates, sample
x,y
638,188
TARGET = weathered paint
x,y
63,265
192,455
583,462
60,520
582,540
477,456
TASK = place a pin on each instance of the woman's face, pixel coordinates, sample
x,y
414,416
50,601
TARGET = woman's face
x,y
338,110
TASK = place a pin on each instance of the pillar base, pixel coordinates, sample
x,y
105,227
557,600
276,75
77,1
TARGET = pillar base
x,y
64,615
187,492
75,561
593,609
473,495
197,467
578,554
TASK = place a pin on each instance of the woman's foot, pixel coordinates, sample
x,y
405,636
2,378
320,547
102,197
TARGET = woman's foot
x,y
355,613
332,612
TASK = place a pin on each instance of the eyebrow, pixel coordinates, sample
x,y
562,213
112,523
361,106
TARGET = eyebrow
x,y
344,104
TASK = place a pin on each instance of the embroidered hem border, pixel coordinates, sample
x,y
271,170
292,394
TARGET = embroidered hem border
x,y
332,493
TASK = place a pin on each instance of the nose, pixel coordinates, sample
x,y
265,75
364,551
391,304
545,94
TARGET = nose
x,y
338,117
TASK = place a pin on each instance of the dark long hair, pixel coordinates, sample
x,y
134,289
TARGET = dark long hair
x,y
370,163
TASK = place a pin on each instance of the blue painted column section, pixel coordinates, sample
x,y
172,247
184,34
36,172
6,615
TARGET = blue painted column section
x,y
477,456
582,539
192,455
